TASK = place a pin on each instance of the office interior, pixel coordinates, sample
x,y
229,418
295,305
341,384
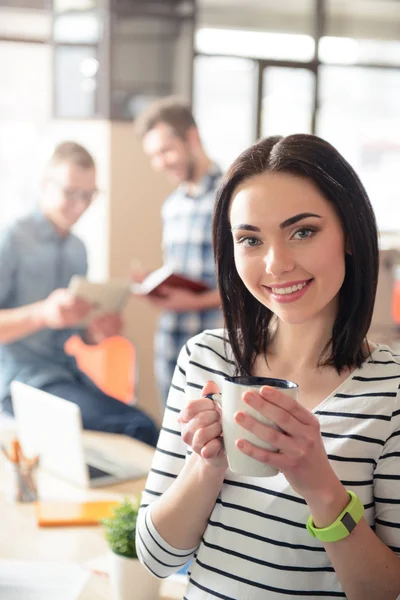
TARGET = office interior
x,y
83,70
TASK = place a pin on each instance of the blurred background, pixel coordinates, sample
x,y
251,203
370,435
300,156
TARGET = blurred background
x,y
83,69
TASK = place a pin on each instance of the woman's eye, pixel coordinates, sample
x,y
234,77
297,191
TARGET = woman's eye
x,y
249,242
303,234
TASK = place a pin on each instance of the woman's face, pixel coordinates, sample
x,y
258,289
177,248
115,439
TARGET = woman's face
x,y
289,246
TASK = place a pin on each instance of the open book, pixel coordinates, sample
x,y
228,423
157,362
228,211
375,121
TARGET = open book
x,y
166,275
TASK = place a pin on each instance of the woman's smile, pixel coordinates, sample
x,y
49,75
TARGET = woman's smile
x,y
289,292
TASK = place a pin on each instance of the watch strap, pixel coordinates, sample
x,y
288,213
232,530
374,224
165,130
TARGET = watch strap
x,y
343,525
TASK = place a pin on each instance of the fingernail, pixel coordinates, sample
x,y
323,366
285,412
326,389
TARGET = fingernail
x,y
240,417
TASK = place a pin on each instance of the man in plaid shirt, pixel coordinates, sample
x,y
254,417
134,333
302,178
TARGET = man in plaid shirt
x,y
171,139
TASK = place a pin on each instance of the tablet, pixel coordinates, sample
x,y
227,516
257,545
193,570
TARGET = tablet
x,y
108,297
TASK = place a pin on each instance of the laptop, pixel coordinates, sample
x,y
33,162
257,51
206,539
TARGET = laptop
x,y
52,427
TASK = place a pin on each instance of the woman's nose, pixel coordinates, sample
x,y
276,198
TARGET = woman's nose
x,y
278,260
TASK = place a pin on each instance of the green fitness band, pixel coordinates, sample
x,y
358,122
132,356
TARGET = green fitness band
x,y
344,524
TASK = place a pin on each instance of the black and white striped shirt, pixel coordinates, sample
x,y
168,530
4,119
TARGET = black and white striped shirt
x,y
256,545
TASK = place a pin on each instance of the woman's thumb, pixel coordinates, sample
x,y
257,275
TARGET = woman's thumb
x,y
210,388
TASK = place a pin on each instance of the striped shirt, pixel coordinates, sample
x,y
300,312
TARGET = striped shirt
x,y
256,545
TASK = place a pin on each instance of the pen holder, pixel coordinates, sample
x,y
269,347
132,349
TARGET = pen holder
x,y
24,485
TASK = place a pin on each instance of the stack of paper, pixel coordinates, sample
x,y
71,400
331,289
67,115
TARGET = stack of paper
x,y
22,580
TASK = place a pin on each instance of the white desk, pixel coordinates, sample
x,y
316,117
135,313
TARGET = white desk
x,y
21,538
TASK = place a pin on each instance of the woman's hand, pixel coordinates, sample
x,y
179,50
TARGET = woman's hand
x,y
202,428
301,457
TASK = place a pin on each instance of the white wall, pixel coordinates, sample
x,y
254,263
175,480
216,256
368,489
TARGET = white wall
x,y
25,84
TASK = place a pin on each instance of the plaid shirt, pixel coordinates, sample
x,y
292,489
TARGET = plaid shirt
x,y
187,246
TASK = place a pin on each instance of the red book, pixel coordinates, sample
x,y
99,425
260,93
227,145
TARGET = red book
x,y
165,275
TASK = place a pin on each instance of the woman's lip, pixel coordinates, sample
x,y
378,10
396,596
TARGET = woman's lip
x,y
292,297
282,286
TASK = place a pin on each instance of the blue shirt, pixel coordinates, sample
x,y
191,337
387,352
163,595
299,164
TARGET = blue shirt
x,y
35,261
187,246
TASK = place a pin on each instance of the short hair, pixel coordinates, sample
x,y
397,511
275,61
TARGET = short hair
x,y
246,319
170,110
73,153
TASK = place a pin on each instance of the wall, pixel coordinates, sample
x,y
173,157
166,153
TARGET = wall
x,y
136,194
24,114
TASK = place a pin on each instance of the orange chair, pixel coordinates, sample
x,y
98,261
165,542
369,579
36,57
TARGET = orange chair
x,y
111,365
396,303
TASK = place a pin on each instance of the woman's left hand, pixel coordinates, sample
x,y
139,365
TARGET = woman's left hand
x,y
301,457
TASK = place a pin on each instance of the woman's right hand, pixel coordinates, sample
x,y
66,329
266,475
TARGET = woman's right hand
x,y
202,427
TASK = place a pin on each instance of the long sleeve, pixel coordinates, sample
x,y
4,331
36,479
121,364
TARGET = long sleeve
x,y
155,553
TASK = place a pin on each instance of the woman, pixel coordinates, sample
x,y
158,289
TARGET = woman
x,y
296,248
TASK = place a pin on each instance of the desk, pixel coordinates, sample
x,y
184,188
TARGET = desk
x,y
21,538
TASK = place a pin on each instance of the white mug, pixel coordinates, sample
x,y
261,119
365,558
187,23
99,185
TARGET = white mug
x,y
231,401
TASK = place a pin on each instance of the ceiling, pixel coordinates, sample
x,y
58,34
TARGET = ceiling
x,y
354,7
351,18
358,18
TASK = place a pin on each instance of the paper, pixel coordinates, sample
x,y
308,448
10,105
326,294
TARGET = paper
x,y
23,580
99,564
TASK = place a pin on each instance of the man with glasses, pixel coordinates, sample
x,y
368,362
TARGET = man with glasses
x,y
38,257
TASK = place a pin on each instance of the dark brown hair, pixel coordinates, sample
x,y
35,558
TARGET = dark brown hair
x,y
170,110
246,319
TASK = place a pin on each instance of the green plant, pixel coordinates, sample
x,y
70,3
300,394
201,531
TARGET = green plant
x,y
120,528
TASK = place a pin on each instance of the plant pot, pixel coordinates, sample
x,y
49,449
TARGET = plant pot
x,y
130,580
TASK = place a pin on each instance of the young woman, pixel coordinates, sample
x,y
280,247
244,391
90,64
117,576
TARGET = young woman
x,y
296,248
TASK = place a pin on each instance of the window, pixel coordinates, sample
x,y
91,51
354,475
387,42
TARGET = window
x,y
224,104
360,115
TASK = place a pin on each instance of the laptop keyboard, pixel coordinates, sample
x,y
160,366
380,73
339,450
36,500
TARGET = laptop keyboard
x,y
94,472
100,463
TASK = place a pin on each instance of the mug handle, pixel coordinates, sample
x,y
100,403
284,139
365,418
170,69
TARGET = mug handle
x,y
215,398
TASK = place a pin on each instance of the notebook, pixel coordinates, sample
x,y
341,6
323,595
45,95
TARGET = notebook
x,y
62,514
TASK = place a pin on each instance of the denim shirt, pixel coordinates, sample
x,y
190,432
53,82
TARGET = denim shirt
x,y
35,261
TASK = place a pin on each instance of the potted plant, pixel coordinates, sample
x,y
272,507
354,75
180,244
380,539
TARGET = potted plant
x,y
128,577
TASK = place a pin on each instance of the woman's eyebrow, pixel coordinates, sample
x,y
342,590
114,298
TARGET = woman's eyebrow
x,y
246,227
283,225
296,219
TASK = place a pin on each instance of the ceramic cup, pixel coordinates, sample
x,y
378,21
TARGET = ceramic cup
x,y
231,401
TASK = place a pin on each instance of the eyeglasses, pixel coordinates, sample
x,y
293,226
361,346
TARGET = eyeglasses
x,y
76,195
